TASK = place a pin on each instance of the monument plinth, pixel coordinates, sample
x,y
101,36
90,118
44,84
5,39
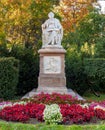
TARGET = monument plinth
x,y
52,58
52,70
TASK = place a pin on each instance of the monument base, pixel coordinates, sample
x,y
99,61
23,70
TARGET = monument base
x,y
50,90
52,70
69,91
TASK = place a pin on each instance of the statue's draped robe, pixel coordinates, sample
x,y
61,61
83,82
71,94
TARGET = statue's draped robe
x,y
52,32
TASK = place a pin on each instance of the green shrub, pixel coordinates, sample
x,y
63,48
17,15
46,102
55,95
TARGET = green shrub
x,y
3,50
28,68
75,76
8,77
95,70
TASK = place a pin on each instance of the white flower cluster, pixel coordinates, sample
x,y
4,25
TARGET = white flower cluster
x,y
7,104
99,107
86,105
20,103
52,114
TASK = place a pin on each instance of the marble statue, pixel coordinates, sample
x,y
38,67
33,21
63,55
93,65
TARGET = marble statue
x,y
52,32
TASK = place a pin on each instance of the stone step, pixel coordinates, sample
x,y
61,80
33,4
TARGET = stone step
x,y
69,91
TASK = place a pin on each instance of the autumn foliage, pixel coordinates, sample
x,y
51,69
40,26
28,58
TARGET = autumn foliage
x,y
72,11
21,20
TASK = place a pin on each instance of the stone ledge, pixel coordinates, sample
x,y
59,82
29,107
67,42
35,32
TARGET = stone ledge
x,y
54,50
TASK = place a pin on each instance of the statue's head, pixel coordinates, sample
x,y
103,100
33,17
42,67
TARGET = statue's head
x,y
51,15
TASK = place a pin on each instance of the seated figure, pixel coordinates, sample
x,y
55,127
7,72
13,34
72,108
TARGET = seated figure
x,y
52,31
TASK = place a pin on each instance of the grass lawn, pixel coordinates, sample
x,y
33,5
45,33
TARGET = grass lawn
x,y
19,126
91,96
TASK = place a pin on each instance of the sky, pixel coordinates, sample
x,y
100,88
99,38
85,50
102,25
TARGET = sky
x,y
102,4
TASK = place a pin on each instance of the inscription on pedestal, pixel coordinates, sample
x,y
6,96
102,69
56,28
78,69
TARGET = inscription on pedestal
x,y
52,64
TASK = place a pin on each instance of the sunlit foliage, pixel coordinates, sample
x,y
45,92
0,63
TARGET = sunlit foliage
x,y
72,11
20,20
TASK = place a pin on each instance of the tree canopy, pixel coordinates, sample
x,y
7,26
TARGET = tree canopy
x,y
20,20
72,11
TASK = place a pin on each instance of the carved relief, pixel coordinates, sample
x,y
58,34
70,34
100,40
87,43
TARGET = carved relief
x,y
52,64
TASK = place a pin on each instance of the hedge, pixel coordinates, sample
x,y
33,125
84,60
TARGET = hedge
x,y
85,74
9,69
95,71
75,76
28,68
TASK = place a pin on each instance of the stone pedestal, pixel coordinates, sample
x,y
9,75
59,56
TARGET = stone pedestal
x,y
52,70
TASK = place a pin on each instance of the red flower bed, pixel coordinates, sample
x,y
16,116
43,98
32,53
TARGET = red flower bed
x,y
22,113
73,113
15,113
36,111
100,114
55,98
76,114
70,110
